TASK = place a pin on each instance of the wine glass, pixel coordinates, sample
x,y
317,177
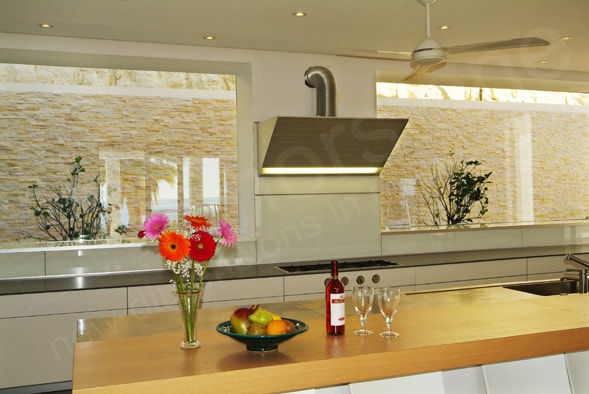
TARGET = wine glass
x,y
209,211
388,301
363,296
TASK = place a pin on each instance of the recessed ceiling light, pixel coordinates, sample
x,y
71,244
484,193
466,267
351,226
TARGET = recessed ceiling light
x,y
46,25
543,61
566,38
444,27
209,38
299,13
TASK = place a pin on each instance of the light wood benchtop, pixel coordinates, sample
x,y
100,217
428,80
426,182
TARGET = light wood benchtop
x,y
439,331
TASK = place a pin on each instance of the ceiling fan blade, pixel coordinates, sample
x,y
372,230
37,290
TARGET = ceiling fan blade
x,y
524,42
394,59
394,53
422,70
376,53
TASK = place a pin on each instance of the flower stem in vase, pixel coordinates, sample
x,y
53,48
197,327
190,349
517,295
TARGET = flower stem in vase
x,y
188,301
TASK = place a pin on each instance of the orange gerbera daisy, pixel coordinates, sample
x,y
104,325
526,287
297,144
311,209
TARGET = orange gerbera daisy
x,y
173,246
198,222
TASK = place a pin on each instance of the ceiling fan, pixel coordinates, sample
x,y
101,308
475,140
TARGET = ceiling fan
x,y
429,55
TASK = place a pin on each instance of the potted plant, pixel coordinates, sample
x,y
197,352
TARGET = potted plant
x,y
65,215
456,193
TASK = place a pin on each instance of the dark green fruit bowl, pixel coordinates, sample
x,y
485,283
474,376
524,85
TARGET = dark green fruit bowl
x,y
262,343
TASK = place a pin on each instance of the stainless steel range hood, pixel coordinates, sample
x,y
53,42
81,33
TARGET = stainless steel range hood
x,y
291,145
325,144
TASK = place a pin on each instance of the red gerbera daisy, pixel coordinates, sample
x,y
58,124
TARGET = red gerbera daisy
x,y
202,246
173,246
198,222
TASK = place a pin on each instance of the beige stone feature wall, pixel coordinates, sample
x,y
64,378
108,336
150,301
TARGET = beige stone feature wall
x,y
139,144
536,155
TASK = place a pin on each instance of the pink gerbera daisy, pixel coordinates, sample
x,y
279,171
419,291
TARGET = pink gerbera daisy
x,y
228,236
154,225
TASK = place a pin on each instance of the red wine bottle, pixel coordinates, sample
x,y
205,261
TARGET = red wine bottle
x,y
335,307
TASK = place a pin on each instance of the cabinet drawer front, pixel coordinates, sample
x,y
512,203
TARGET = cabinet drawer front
x,y
239,289
470,271
40,349
39,304
152,296
541,265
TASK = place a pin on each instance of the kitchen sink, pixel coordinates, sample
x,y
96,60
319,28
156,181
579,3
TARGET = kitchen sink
x,y
547,288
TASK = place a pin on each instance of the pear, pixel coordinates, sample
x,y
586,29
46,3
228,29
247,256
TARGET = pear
x,y
256,329
261,316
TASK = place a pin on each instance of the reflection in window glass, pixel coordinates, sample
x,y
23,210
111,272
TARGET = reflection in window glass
x,y
211,181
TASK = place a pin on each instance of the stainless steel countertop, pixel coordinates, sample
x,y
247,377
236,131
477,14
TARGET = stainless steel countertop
x,y
144,278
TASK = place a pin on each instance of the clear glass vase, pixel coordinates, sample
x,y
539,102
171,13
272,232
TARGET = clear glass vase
x,y
188,302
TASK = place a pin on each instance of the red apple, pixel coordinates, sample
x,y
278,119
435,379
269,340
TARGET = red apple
x,y
239,321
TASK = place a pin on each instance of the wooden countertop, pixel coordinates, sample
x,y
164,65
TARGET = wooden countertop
x,y
439,331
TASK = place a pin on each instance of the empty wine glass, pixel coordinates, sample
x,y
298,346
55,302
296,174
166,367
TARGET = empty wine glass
x,y
209,211
388,301
363,297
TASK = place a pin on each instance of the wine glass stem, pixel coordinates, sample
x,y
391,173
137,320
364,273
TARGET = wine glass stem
x,y
363,321
389,323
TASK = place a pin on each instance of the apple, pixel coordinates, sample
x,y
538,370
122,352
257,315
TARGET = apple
x,y
239,320
290,327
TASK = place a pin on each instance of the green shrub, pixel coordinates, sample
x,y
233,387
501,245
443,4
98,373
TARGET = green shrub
x,y
65,216
454,191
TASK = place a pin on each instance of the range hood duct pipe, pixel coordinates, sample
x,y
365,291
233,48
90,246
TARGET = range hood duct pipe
x,y
322,79
325,144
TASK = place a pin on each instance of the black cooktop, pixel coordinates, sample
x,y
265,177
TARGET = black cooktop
x,y
342,266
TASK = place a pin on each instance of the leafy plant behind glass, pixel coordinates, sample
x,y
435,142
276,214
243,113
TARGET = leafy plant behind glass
x,y
454,191
65,216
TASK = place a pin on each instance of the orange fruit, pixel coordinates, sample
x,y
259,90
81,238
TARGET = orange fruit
x,y
276,327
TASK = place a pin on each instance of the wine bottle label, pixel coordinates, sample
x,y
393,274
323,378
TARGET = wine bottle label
x,y
338,309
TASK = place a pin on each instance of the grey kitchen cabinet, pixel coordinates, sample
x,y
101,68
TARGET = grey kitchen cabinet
x,y
441,276
38,332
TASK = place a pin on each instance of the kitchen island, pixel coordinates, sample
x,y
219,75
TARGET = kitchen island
x,y
439,331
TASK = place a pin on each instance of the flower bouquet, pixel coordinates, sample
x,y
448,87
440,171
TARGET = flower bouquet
x,y
188,247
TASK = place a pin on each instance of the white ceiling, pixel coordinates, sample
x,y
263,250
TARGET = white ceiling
x,y
340,27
